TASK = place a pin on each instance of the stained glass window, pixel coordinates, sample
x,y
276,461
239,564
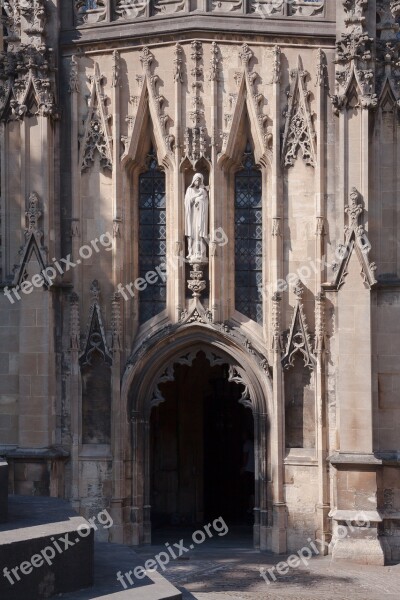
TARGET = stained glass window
x,y
248,238
152,237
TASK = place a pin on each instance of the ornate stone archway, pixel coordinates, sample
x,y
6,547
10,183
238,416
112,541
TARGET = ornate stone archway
x,y
142,393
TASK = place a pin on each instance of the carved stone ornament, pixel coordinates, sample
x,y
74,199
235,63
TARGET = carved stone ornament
x,y
299,134
299,339
267,8
321,78
95,337
96,138
355,240
11,23
276,323
89,11
33,246
296,8
73,86
166,7
155,98
305,8
276,67
131,9
320,333
235,375
227,6
74,326
354,59
115,69
178,60
248,96
214,62
116,322
27,65
388,50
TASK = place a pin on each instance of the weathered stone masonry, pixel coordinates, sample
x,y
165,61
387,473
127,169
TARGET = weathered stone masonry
x,y
310,90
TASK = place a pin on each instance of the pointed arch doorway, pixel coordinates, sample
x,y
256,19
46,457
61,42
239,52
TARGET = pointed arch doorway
x,y
202,448
153,365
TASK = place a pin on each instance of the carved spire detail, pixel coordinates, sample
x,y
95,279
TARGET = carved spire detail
x,y
299,135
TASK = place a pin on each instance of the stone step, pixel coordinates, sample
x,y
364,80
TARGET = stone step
x,y
111,559
45,549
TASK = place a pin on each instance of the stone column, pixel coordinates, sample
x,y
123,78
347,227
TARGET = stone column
x,y
278,416
356,467
323,505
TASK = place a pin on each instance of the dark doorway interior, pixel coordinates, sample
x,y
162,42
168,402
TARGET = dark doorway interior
x,y
197,449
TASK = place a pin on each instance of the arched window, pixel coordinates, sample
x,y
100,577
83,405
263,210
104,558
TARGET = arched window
x,y
152,238
248,238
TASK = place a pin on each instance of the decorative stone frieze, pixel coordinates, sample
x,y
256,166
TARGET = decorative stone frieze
x,y
166,7
89,11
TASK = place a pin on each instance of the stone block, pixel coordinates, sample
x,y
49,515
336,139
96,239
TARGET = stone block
x,y
46,548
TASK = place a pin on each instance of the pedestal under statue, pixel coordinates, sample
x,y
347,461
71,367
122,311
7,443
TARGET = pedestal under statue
x,y
196,220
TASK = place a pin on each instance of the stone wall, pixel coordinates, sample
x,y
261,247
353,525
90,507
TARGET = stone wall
x,y
325,353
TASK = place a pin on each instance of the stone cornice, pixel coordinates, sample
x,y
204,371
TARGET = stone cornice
x,y
195,25
355,459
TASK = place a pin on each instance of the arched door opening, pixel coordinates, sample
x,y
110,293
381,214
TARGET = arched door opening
x,y
201,449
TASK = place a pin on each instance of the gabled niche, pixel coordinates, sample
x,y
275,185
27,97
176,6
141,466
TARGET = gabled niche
x,y
95,362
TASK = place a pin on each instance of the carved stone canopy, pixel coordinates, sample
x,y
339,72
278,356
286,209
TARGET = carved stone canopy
x,y
235,375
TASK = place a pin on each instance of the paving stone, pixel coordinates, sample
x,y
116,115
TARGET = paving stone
x,y
232,573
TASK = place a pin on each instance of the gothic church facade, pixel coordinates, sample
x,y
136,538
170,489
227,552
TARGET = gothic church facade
x,y
130,373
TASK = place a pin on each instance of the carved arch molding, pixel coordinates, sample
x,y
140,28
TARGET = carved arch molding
x,y
236,374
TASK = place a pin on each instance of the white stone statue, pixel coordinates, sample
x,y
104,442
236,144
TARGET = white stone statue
x,y
196,219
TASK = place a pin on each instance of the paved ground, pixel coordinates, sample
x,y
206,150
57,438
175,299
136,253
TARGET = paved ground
x,y
228,569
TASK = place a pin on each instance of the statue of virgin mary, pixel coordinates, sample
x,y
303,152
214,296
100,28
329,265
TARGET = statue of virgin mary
x,y
196,219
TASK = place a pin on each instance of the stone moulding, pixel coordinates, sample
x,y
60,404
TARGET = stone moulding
x,y
195,317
